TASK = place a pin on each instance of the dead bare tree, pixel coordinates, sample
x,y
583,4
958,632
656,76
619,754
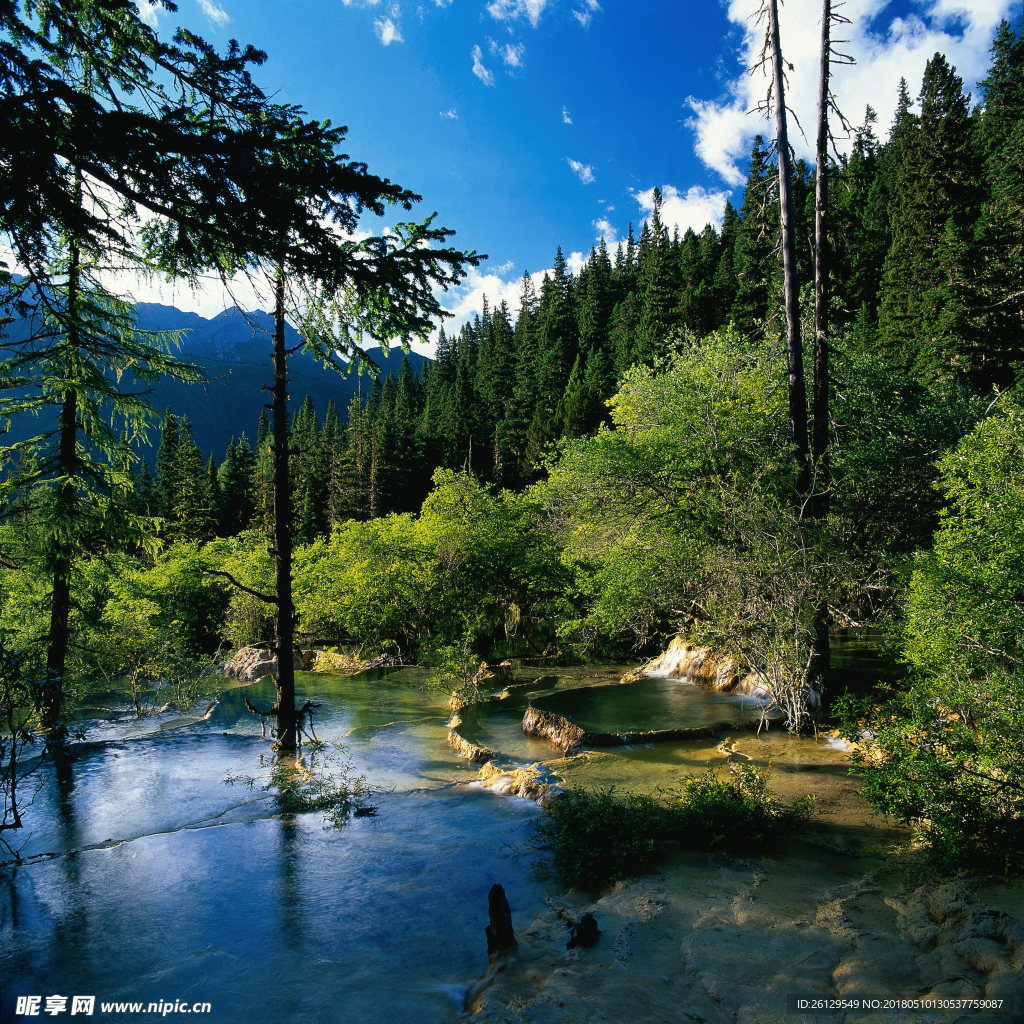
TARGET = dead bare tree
x,y
822,253
775,103
810,467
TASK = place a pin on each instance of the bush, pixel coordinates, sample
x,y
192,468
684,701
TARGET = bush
x,y
956,778
741,813
595,839
947,757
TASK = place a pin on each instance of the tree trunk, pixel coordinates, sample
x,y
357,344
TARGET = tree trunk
x,y
284,622
794,346
819,448
60,608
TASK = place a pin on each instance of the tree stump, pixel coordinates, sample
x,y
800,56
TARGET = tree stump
x,y
500,936
583,933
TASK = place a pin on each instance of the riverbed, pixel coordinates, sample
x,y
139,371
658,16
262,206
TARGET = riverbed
x,y
148,878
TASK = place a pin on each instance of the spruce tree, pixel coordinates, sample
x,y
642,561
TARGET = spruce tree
x,y
191,515
999,308
657,281
937,196
556,341
756,261
165,481
236,482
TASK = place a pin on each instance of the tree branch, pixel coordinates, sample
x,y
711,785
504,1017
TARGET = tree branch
x,y
241,586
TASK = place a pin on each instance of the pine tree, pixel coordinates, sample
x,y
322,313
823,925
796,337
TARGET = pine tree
x,y
861,208
263,476
216,497
999,307
517,465
351,497
657,281
191,517
557,342
496,375
236,479
756,250
165,482
936,193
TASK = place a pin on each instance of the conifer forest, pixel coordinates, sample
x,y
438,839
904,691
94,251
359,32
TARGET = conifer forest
x,y
756,440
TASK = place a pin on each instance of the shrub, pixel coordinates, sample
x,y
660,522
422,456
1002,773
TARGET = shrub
x,y
947,756
595,839
741,813
956,777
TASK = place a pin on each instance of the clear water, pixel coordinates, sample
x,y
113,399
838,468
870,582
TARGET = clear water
x,y
148,878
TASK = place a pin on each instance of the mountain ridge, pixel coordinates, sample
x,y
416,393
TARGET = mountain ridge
x,y
234,350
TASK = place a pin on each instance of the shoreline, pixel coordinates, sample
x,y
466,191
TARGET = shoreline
x,y
725,940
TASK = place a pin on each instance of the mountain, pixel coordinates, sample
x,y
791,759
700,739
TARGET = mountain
x,y
234,351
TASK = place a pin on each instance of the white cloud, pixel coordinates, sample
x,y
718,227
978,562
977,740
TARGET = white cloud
x,y
575,261
451,115
387,31
214,12
607,231
699,206
885,52
508,10
584,16
723,135
148,10
512,54
584,171
566,116
485,76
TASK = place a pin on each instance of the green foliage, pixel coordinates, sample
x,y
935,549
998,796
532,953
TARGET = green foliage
x,y
366,585
595,839
23,698
738,813
453,668
948,756
965,615
949,761
248,619
469,557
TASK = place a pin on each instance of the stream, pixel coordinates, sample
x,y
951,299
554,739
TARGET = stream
x,y
148,878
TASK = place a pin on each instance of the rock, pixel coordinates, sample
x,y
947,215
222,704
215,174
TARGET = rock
x,y
500,936
635,674
534,782
697,664
570,737
248,664
470,751
386,660
584,933
497,673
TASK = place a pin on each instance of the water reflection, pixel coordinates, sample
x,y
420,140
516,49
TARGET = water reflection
x,y
185,888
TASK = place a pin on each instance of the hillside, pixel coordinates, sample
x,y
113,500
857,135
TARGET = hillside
x,y
234,351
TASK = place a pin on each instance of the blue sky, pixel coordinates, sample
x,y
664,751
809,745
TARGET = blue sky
x,y
529,124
